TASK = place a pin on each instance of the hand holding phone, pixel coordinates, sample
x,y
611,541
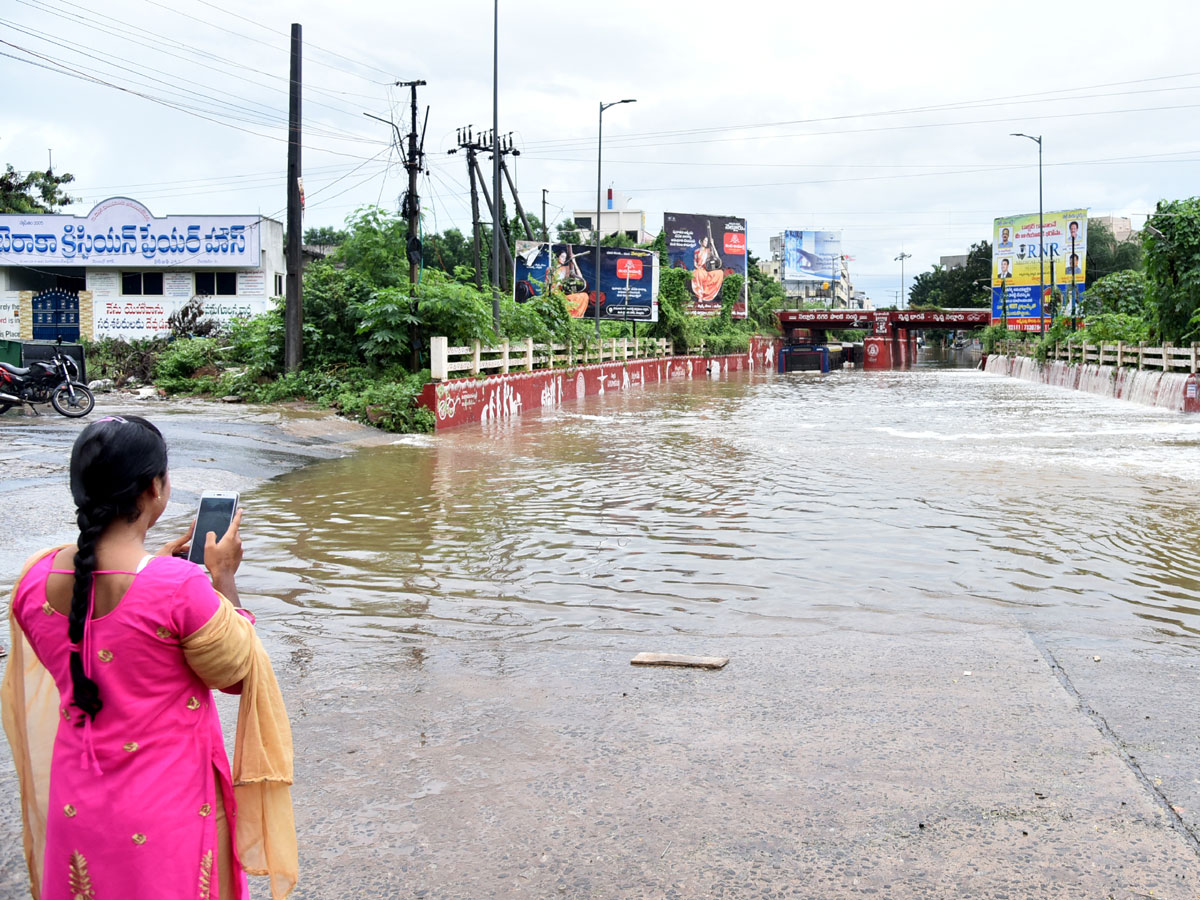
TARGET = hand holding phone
x,y
214,516
223,557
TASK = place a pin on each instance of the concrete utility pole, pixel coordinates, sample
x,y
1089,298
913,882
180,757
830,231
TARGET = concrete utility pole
x,y
471,166
412,202
293,295
474,144
545,224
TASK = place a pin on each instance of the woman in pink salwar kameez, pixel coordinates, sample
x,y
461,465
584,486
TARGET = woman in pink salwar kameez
x,y
127,792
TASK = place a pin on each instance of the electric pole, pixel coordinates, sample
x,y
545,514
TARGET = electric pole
x,y
293,295
411,206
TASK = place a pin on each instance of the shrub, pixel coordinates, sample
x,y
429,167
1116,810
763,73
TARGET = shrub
x,y
1109,328
257,343
123,360
189,321
182,358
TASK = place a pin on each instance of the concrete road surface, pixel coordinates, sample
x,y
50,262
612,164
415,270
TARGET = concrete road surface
x,y
981,758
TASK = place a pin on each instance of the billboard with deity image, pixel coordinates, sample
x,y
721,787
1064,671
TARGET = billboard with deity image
x,y
628,279
1020,260
711,248
812,256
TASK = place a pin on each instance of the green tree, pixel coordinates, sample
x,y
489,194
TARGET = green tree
x,y
375,247
1105,255
568,232
962,287
1171,241
33,192
325,236
766,297
448,250
1120,292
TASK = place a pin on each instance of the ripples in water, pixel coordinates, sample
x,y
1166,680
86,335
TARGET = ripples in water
x,y
750,505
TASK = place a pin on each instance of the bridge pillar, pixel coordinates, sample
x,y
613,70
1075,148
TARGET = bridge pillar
x,y
877,352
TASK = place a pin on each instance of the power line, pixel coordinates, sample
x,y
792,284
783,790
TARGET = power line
x,y
124,33
258,41
945,107
63,69
334,53
271,116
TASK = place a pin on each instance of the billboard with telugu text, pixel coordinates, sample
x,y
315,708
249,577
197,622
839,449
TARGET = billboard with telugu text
x,y
1020,260
122,233
812,256
712,248
628,279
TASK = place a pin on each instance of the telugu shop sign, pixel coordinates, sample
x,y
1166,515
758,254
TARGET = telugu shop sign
x,y
122,232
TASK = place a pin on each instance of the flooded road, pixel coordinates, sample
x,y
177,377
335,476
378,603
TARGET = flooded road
x,y
960,610
740,507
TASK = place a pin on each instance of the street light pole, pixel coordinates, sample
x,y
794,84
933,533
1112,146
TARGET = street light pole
x,y
903,297
1041,232
596,224
497,223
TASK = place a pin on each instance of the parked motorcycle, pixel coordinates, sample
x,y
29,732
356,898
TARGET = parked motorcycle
x,y
54,381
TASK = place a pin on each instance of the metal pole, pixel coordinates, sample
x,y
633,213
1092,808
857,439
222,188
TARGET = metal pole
x,y
901,303
294,294
599,145
496,225
545,225
1074,287
596,224
1041,240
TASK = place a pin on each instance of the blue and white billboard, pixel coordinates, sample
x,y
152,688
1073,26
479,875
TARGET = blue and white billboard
x,y
812,256
122,233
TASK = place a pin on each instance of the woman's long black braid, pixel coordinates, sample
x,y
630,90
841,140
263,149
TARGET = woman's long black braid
x,y
113,462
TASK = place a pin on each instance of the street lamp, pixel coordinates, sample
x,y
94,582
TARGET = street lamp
x,y
1041,232
902,257
596,224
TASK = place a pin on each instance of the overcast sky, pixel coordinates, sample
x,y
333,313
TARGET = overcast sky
x,y
887,121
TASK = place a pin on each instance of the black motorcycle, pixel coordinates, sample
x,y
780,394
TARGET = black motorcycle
x,y
55,381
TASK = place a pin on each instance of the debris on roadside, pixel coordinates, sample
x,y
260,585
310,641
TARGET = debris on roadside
x,y
679,659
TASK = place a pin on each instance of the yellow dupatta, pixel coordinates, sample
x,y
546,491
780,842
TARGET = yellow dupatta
x,y
225,651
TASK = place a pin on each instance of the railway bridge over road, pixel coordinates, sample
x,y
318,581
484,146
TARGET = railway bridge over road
x,y
892,342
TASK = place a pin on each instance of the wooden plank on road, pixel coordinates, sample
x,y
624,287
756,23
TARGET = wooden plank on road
x,y
679,659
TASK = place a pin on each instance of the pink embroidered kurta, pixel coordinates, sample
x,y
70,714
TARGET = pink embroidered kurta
x,y
133,799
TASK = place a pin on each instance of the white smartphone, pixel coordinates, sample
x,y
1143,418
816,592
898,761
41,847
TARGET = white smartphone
x,y
215,514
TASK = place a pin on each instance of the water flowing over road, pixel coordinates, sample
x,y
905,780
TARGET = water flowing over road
x,y
742,505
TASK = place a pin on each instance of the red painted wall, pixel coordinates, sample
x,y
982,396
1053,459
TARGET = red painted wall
x,y
461,401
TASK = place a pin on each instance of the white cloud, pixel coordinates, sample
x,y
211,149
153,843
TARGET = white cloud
x,y
889,181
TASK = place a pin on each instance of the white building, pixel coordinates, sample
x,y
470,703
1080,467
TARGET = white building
x,y
615,216
120,272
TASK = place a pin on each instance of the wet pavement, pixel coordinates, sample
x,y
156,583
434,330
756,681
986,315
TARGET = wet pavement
x,y
939,687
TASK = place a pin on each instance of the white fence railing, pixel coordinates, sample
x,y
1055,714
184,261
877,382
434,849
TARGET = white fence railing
x,y
526,356
1167,357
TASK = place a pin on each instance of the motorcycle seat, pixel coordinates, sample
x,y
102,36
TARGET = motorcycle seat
x,y
13,369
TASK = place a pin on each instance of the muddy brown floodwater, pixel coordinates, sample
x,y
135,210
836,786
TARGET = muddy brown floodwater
x,y
961,613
